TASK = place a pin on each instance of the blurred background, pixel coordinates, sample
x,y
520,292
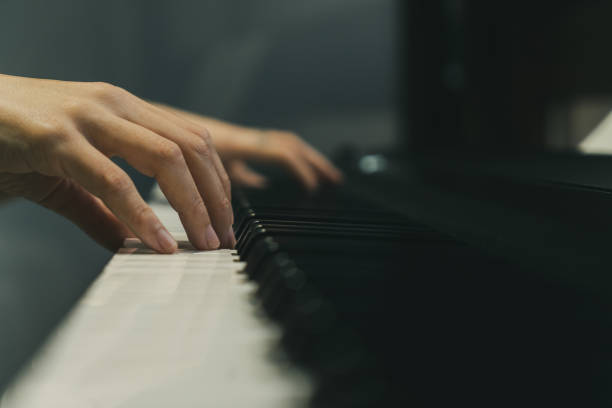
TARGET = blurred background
x,y
323,68
326,69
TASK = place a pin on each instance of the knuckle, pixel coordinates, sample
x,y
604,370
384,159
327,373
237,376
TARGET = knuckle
x,y
108,92
101,88
200,132
227,183
225,204
72,107
50,142
116,183
226,180
79,108
198,207
169,152
142,215
201,148
204,134
52,134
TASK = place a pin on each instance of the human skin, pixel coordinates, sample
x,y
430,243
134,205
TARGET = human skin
x,y
57,138
238,144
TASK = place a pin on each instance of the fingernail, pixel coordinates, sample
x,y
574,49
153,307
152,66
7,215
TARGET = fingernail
x,y
211,238
231,232
230,238
165,240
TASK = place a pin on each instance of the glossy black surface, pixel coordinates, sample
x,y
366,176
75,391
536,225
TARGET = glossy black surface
x,y
423,287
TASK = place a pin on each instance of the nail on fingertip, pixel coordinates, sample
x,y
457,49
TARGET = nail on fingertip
x,y
231,232
211,238
165,241
229,239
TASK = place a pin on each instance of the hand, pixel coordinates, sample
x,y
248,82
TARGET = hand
x,y
273,146
238,144
55,142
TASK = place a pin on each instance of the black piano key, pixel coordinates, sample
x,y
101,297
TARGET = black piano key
x,y
348,286
261,250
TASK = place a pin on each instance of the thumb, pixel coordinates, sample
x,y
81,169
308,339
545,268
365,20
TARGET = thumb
x,y
72,201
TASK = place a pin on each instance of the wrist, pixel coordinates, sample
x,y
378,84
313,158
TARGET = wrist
x,y
238,142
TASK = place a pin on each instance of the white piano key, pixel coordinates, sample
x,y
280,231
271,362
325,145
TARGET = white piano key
x,y
154,330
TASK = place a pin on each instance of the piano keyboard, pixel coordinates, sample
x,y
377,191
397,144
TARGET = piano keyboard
x,y
155,330
329,301
381,310
337,273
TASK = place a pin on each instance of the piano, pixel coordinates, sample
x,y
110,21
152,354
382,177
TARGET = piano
x,y
339,299
465,275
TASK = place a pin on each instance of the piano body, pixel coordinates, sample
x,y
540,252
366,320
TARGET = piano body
x,y
477,274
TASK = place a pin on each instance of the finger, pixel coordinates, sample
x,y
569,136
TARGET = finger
x,y
198,155
242,174
161,158
223,176
322,164
302,170
88,212
68,199
103,178
202,133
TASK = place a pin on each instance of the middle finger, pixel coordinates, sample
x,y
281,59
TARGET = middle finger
x,y
198,155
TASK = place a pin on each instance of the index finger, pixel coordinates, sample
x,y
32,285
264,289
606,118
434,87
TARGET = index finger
x,y
103,178
199,157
